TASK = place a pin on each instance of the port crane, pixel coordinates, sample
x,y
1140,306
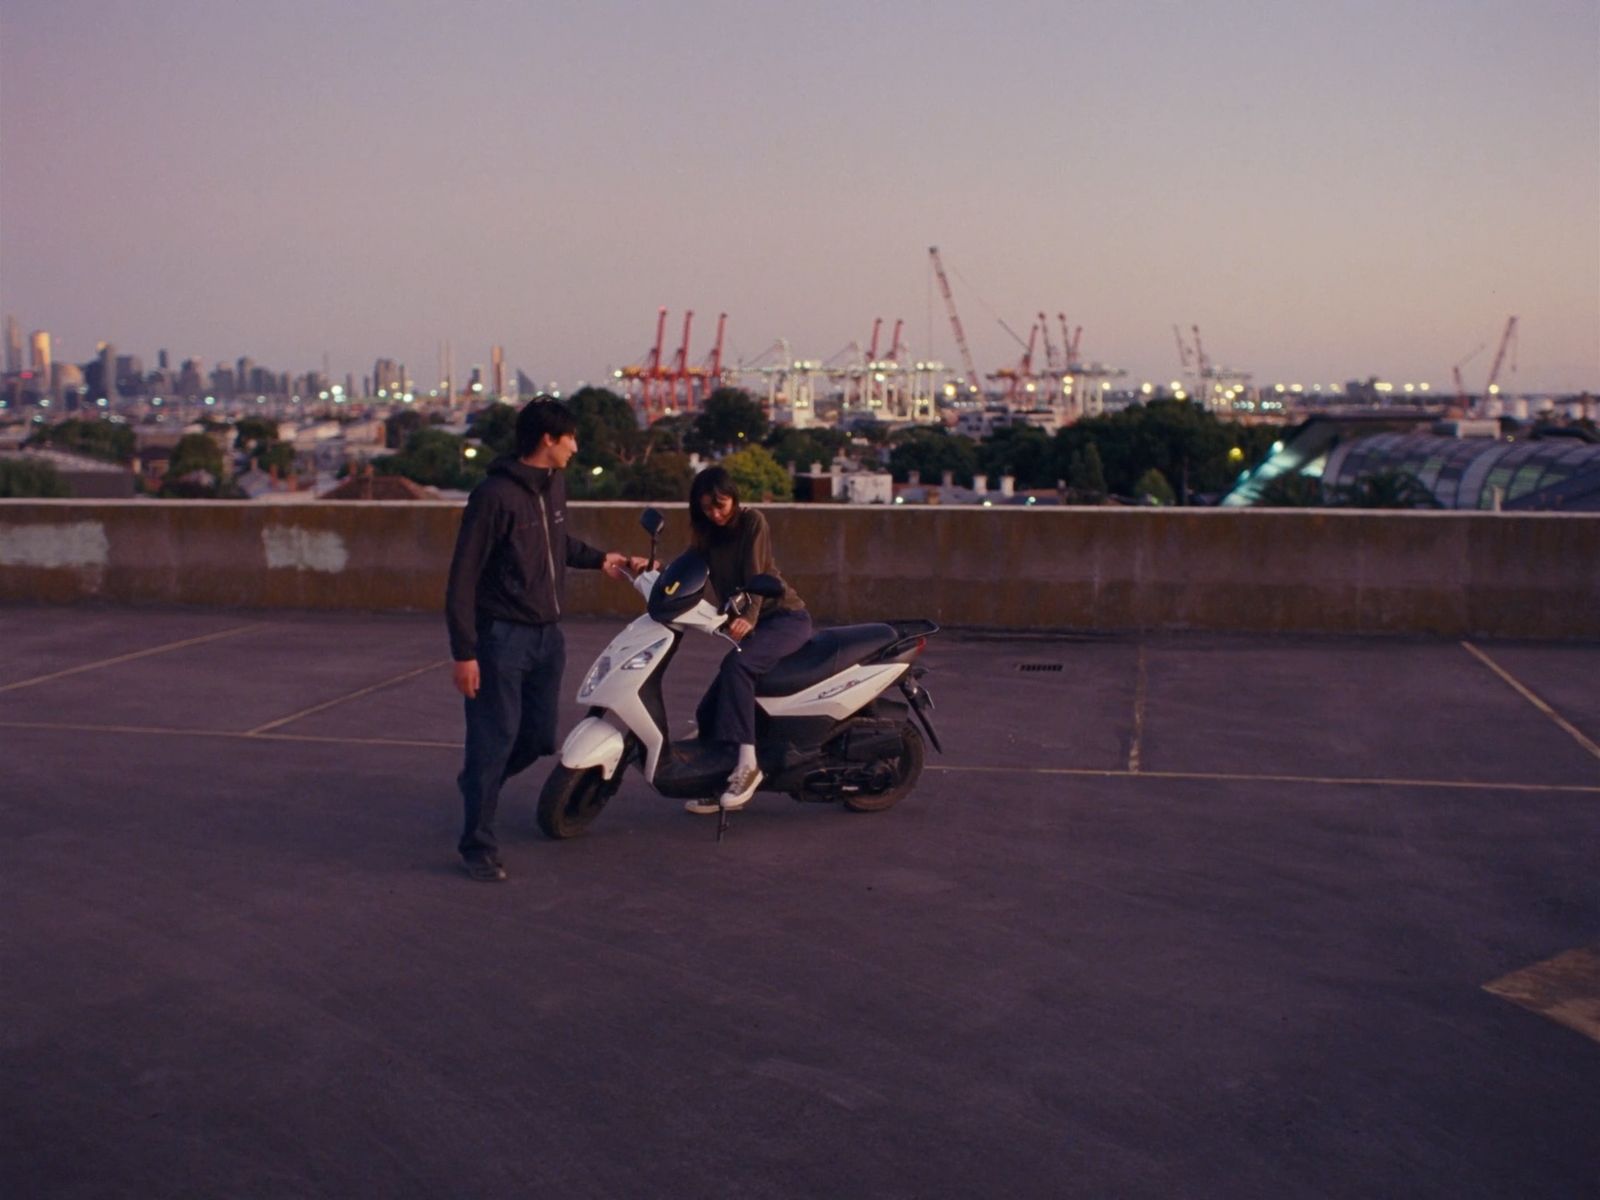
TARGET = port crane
x,y
955,321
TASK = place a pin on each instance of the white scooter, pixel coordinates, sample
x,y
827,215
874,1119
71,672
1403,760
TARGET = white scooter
x,y
827,727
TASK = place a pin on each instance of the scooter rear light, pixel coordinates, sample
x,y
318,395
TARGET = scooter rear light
x,y
922,643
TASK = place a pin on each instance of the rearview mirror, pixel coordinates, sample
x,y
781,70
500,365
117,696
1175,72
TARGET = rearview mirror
x,y
652,521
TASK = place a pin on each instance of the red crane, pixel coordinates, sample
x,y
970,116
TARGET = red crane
x,y
1049,346
679,374
896,346
872,351
1506,339
713,369
1069,342
955,321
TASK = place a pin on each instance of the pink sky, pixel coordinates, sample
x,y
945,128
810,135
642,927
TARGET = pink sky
x,y
1332,191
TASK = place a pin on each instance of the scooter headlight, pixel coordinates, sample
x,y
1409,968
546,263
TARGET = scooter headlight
x,y
601,668
645,657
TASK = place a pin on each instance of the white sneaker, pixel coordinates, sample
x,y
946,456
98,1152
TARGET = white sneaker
x,y
742,785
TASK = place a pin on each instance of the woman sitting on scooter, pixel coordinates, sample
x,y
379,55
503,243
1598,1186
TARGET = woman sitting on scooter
x,y
737,545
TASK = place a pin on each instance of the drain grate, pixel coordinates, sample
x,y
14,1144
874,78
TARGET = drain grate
x,y
1040,666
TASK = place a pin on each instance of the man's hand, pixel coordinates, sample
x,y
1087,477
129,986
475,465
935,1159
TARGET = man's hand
x,y
738,628
466,677
616,561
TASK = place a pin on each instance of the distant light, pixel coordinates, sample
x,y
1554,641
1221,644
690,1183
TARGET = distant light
x,y
899,499
470,452
1146,389
1278,387
1235,454
1033,499
988,504
597,471
1494,389
1423,386
211,399
1276,446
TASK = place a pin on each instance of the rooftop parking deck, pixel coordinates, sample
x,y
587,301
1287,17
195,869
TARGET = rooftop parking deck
x,y
1189,915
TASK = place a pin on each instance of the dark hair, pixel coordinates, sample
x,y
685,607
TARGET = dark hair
x,y
713,481
540,416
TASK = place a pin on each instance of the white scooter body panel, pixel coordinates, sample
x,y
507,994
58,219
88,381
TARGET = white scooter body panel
x,y
593,742
838,696
616,682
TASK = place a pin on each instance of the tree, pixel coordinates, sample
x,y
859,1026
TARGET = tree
x,y
758,475
1385,489
1291,490
931,451
1085,472
662,476
398,426
495,428
608,428
22,478
250,432
195,452
804,447
1021,451
275,455
1154,488
432,458
730,418
104,440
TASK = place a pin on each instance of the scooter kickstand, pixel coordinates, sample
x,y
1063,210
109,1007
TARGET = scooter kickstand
x,y
722,821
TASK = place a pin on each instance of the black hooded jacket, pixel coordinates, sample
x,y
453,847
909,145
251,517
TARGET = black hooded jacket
x,y
512,553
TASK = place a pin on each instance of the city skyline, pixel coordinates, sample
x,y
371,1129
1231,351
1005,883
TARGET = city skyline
x,y
1328,195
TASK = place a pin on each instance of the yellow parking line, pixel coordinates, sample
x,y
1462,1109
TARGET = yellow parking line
x,y
122,658
356,695
1237,777
1141,680
1528,695
1565,988
1066,772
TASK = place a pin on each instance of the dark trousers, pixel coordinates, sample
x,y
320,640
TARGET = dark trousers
x,y
727,712
510,722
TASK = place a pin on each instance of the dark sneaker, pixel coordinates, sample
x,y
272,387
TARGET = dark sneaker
x,y
483,870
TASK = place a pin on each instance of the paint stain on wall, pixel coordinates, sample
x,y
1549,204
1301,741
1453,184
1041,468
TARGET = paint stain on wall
x,y
299,549
77,544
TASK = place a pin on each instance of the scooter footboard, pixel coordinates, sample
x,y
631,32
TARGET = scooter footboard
x,y
593,742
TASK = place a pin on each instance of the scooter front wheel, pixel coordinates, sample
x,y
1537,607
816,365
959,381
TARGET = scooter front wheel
x,y
571,799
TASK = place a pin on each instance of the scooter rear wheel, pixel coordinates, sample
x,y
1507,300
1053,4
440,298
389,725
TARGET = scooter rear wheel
x,y
907,767
572,799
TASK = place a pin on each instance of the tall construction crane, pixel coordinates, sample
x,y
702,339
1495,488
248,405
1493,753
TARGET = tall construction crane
x,y
1506,339
1070,340
955,321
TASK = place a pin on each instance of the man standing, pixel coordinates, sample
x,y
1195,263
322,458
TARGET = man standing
x,y
502,606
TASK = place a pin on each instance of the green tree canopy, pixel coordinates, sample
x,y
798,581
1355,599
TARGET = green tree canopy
x,y
22,478
731,419
804,447
1021,451
253,431
432,458
195,452
1153,487
105,440
757,475
495,428
931,451
1085,472
608,429
1291,490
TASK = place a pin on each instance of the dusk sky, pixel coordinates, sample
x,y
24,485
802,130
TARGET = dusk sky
x,y
1330,191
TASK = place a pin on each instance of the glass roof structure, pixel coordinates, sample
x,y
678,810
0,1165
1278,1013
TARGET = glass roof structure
x,y
1460,472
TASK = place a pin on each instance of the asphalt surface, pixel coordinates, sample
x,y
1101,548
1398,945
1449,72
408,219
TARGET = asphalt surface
x,y
1180,916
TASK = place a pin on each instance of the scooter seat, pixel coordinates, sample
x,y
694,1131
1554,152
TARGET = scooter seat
x,y
827,653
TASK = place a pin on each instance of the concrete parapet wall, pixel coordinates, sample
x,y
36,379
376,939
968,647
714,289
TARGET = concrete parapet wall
x,y
1511,575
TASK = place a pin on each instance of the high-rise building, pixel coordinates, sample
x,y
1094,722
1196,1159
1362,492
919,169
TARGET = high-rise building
x,y
106,388
161,360
13,346
497,365
386,377
192,379
39,345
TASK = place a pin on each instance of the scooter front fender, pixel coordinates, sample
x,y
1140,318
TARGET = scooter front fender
x,y
593,742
